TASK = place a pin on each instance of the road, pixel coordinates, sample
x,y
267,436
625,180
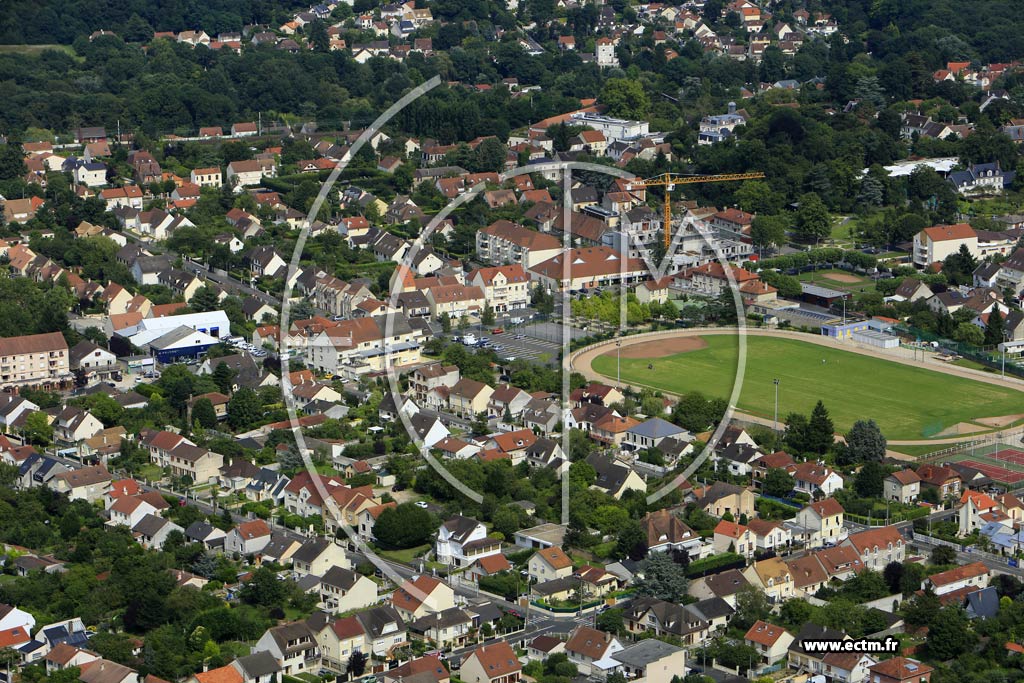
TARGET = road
x,y
229,283
993,562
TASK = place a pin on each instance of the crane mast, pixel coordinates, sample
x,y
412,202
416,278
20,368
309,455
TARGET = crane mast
x,y
669,182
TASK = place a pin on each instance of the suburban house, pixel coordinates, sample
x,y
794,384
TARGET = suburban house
x,y
448,628
467,398
662,618
941,478
293,646
900,670
317,556
421,596
903,486
666,531
461,541
816,480
771,641
494,663
549,563
614,478
721,498
736,538
968,577
343,590
878,547
976,510
822,523
768,535
248,538
651,661
773,577
592,651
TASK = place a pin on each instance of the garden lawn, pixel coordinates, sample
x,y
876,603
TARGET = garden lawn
x,y
405,555
907,402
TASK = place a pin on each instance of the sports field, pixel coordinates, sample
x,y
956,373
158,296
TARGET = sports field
x,y
907,402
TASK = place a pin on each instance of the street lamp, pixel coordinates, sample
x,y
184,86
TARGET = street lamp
x,y
776,422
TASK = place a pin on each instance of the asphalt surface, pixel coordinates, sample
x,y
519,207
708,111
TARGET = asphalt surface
x,y
230,284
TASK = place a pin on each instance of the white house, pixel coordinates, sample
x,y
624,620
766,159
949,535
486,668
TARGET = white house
x,y
461,541
592,651
294,646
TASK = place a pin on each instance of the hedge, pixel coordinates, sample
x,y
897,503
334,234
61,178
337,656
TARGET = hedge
x,y
715,564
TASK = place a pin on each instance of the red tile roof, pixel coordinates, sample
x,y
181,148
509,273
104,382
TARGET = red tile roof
x,y
967,571
497,659
764,633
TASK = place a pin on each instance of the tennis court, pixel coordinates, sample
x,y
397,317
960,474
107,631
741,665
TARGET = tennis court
x,y
997,473
1003,462
1009,455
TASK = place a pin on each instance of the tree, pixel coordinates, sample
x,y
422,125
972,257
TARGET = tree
x,y
796,612
631,541
38,429
870,479
264,589
821,433
969,333
224,377
751,605
611,621
446,322
922,609
318,37
778,482
758,197
625,98
480,424
542,300
767,231
813,222
489,156
244,409
662,578
487,315
950,634
893,575
356,664
405,526
205,299
865,442
796,432
204,413
943,555
995,328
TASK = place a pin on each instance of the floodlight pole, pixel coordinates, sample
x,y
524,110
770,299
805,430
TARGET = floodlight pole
x,y
776,422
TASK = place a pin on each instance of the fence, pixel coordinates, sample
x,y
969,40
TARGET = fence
x,y
982,449
931,540
987,356
889,518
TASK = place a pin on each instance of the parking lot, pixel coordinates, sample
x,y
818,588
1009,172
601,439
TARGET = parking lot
x,y
539,342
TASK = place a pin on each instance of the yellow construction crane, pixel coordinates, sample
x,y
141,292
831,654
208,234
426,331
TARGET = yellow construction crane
x,y
669,182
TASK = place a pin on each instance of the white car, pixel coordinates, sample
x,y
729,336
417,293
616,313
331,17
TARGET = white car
x,y
421,504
